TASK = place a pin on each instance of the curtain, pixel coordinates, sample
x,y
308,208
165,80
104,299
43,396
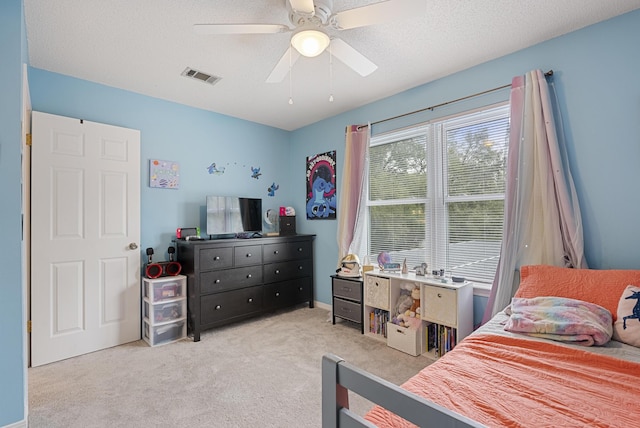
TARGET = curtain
x,y
542,222
351,208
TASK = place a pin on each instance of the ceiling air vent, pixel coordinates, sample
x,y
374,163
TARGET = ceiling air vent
x,y
199,75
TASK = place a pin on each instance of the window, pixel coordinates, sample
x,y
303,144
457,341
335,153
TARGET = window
x,y
436,193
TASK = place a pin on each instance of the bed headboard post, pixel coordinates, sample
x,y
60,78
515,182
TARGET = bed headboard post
x,y
334,396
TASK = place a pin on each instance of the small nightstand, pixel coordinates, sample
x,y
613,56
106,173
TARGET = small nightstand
x,y
347,299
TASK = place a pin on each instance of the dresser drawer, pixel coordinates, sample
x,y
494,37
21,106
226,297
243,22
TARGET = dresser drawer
x,y
227,279
216,258
299,250
376,292
347,309
287,293
275,252
215,308
247,255
283,271
287,251
347,289
439,305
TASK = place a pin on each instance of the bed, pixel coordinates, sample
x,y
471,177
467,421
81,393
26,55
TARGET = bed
x,y
520,377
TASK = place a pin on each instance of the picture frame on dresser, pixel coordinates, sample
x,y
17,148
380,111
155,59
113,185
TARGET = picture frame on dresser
x,y
229,280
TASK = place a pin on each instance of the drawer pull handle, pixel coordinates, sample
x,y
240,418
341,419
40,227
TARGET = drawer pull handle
x,y
277,294
300,249
249,276
250,300
300,288
248,254
216,258
300,268
277,271
439,295
217,281
276,252
218,307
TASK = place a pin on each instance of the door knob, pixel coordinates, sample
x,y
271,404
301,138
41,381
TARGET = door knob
x,y
133,246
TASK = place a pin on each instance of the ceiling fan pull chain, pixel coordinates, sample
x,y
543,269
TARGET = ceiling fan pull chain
x,y
290,79
330,74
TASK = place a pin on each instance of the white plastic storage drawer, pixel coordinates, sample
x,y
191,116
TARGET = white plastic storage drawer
x,y
164,288
376,292
164,311
408,340
161,334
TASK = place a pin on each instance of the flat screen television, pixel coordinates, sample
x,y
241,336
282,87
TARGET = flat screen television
x,y
228,216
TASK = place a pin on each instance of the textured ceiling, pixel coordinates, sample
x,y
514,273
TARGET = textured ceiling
x,y
144,45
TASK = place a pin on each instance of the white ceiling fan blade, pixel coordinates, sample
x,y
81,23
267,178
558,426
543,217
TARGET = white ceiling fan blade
x,y
302,6
351,57
377,13
283,66
206,29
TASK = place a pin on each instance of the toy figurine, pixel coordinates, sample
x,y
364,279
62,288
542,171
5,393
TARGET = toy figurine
x,y
421,270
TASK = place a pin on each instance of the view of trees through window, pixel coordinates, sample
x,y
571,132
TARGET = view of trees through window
x,y
436,194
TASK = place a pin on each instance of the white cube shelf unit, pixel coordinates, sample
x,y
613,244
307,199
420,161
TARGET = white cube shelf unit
x,y
164,309
446,309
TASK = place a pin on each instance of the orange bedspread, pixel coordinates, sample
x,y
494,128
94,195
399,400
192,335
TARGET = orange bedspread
x,y
503,381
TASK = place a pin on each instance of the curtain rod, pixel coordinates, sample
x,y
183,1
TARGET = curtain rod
x,y
547,74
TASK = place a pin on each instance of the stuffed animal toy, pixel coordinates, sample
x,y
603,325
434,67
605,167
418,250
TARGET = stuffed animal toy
x,y
402,306
415,305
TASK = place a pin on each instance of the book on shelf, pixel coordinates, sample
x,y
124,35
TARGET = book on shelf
x,y
378,322
440,339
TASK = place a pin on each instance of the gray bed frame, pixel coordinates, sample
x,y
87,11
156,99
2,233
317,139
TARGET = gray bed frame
x,y
340,377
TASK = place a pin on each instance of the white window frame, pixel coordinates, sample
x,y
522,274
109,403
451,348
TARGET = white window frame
x,y
437,193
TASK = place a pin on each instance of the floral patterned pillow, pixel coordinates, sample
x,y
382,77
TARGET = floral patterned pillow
x,y
627,327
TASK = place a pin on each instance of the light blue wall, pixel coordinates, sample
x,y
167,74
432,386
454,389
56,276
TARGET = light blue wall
x,y
599,97
12,328
595,73
192,137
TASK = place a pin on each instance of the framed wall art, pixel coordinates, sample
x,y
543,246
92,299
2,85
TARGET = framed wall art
x,y
164,174
321,186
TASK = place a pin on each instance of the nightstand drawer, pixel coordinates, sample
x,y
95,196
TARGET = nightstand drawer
x,y
347,289
347,310
439,305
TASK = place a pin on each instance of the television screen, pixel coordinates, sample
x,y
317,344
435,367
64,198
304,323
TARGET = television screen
x,y
228,215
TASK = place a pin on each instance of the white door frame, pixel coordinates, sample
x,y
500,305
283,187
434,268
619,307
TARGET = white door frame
x,y
26,233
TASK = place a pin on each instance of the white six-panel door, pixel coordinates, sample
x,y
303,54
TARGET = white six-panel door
x,y
85,231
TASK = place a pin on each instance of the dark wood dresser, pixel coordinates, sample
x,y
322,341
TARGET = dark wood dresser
x,y
231,279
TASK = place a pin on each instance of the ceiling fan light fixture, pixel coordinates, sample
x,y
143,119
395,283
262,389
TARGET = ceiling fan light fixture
x,y
310,43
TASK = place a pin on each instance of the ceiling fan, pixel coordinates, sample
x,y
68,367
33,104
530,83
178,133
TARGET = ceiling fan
x,y
312,21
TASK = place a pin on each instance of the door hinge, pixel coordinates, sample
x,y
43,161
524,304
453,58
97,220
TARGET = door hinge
x,y
29,140
29,326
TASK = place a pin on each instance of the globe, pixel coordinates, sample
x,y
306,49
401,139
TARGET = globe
x,y
383,258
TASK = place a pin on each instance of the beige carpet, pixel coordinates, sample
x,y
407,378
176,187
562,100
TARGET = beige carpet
x,y
264,372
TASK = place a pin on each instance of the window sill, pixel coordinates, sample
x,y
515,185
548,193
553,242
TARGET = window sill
x,y
481,289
